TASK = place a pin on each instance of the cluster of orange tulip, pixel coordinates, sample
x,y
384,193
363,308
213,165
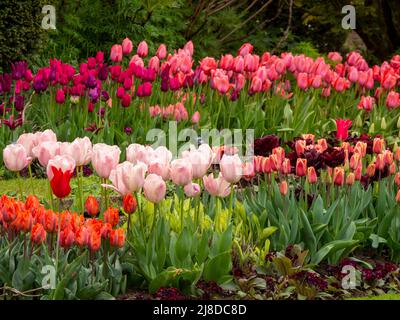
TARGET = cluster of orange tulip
x,y
44,226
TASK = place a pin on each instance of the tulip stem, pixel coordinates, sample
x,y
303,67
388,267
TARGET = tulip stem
x,y
231,204
50,197
58,234
79,172
20,185
181,211
30,177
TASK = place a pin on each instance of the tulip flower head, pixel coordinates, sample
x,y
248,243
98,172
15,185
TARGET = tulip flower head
x,y
342,128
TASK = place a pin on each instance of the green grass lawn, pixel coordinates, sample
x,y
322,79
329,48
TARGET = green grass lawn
x,y
40,188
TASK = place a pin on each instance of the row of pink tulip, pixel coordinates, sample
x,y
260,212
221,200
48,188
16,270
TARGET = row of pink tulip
x,y
130,176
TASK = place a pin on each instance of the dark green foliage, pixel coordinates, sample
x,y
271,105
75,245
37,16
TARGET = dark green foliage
x,y
21,34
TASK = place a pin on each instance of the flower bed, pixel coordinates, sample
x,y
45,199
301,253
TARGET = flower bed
x,y
314,213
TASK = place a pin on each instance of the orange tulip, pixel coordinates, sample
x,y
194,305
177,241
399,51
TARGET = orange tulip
x,y
117,238
38,234
92,206
301,167
380,161
111,216
338,176
311,175
350,179
283,188
371,170
397,179
378,145
94,241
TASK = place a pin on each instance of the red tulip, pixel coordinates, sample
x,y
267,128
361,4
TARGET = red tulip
x,y
126,100
60,96
130,204
342,127
60,182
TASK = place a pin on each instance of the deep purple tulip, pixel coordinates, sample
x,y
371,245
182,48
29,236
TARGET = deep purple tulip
x,y
103,72
19,103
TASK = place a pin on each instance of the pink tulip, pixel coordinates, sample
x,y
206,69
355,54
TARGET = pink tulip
x,y
45,151
208,64
192,190
127,46
195,117
302,80
189,48
15,157
393,100
65,163
29,141
127,177
80,150
162,52
104,159
335,56
160,168
226,62
154,63
366,103
142,49
47,135
181,172
137,152
245,49
116,53
200,163
154,188
256,85
231,168
217,187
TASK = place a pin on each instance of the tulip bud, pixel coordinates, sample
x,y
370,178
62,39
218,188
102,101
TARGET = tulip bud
x,y
129,203
283,188
350,179
383,124
311,175
398,196
371,128
371,170
358,122
398,123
